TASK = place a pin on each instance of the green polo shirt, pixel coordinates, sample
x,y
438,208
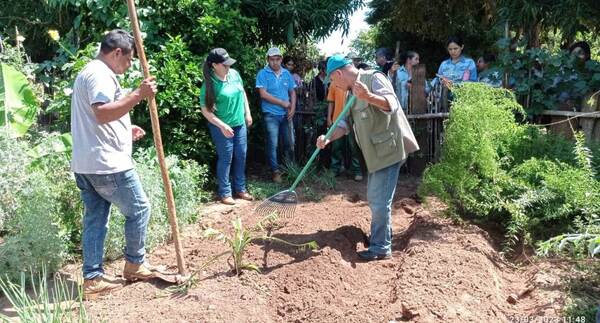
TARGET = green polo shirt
x,y
229,99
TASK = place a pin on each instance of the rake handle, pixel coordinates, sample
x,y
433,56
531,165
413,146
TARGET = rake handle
x,y
328,135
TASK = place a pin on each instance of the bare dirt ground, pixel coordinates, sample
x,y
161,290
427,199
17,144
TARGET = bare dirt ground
x,y
440,271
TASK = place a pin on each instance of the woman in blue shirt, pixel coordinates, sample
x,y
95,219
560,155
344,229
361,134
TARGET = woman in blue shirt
x,y
457,68
404,77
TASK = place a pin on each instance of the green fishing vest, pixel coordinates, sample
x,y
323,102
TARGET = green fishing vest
x,y
384,138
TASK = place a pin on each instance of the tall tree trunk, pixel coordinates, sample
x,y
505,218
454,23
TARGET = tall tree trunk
x,y
534,35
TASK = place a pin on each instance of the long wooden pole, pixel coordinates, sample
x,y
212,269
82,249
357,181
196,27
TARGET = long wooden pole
x,y
157,140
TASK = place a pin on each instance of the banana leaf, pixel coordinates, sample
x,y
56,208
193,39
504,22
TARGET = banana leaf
x,y
18,104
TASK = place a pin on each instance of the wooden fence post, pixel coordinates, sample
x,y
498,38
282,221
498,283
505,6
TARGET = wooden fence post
x,y
418,105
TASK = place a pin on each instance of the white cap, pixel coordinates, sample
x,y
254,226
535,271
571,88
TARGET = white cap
x,y
273,51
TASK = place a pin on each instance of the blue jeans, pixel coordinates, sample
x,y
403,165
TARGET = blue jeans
x,y
380,193
98,192
231,158
277,126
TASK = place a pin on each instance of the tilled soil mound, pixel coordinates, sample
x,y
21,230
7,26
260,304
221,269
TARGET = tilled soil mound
x,y
439,272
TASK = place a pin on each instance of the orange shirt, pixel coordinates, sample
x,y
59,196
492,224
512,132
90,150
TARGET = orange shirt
x,y
338,97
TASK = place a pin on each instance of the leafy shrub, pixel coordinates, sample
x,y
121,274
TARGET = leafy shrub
x,y
36,235
187,179
13,162
543,78
179,75
42,208
493,168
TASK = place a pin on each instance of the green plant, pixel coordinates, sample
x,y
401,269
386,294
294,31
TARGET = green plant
x,y
239,241
13,164
18,104
495,169
35,234
59,77
543,80
188,179
40,213
180,74
237,244
261,190
54,303
324,178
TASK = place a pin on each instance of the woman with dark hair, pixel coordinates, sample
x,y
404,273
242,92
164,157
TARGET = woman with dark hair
x,y
486,73
457,68
582,50
288,63
225,105
403,84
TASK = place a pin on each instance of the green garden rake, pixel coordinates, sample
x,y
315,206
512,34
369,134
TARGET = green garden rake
x,y
283,204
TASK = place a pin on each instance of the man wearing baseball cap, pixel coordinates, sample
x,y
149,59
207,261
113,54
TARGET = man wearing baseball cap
x,y
278,102
356,60
383,134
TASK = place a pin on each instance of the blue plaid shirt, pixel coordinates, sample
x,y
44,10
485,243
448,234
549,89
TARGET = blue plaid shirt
x,y
463,70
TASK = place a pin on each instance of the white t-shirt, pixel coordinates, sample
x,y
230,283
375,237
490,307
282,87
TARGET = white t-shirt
x,y
98,148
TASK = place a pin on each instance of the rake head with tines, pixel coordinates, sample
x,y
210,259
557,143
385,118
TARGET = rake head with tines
x,y
283,204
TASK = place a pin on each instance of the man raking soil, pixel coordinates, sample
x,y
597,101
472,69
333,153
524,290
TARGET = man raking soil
x,y
385,138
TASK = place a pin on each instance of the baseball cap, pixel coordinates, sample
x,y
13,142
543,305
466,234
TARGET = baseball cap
x,y
219,55
336,62
273,51
384,51
353,55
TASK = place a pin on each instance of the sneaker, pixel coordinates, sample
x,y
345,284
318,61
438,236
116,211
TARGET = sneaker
x,y
277,177
358,177
244,196
101,285
368,255
133,272
228,200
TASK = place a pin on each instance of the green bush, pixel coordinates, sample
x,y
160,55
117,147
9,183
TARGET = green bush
x,y
187,180
495,169
42,210
543,79
13,162
179,77
35,234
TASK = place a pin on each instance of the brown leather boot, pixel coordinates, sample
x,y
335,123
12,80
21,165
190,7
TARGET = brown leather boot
x,y
133,272
228,200
101,285
244,196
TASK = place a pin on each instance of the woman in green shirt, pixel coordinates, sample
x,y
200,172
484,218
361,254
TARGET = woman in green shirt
x,y
225,106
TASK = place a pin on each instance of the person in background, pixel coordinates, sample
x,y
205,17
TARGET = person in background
x,y
225,105
101,160
363,66
384,60
290,65
385,138
487,74
356,60
278,103
582,50
457,68
408,60
319,82
336,98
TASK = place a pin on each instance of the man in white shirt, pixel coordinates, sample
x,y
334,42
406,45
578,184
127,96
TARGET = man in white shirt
x,y
102,163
